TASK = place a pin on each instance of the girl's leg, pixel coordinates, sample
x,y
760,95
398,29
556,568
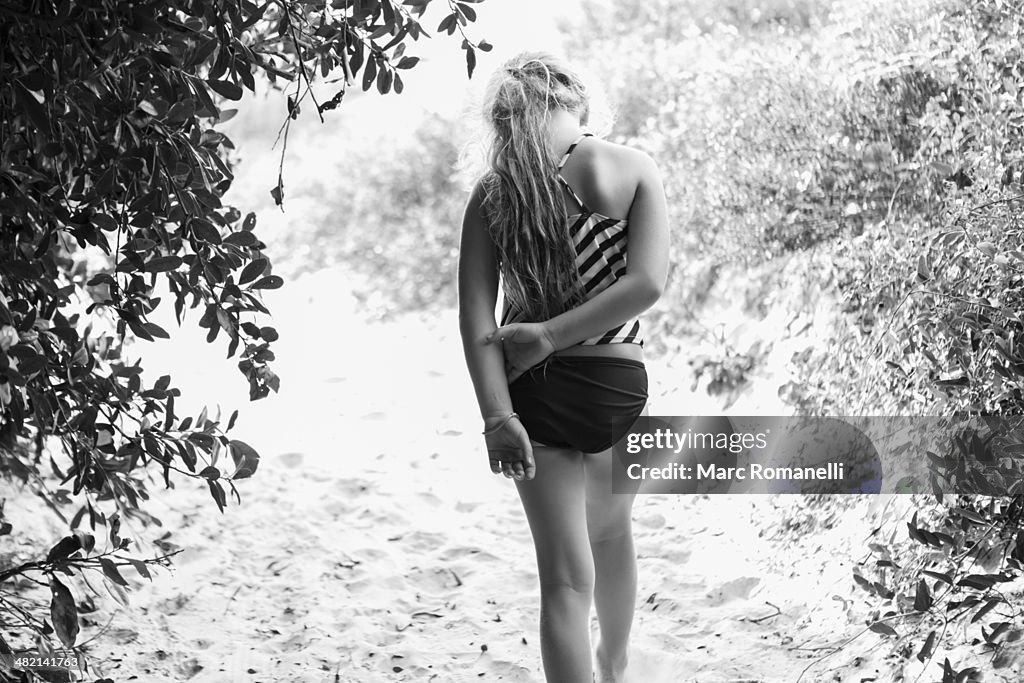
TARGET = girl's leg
x,y
609,524
555,505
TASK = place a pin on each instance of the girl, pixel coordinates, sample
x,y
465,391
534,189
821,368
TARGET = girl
x,y
576,227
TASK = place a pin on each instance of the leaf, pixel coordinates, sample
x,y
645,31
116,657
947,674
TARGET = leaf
x,y
470,61
253,269
31,106
407,62
63,549
203,52
137,328
979,581
985,609
163,263
217,491
927,648
268,282
105,222
141,568
110,570
923,271
883,628
155,330
447,24
998,630
210,472
181,111
923,597
277,192
384,80
369,74
241,238
63,612
864,583
246,459
226,88
205,231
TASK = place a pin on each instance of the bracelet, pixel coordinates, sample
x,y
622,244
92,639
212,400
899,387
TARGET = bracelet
x,y
497,428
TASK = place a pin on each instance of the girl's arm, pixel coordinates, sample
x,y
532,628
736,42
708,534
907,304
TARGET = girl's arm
x,y
646,269
526,344
509,447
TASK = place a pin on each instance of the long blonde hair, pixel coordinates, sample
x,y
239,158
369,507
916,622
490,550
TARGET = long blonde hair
x,y
523,200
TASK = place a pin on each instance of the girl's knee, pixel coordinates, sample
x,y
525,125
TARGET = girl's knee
x,y
612,534
606,525
567,586
567,578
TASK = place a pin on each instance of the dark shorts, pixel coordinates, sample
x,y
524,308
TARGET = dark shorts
x,y
571,401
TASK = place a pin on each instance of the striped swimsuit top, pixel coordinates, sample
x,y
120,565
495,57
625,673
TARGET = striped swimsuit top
x,y
600,244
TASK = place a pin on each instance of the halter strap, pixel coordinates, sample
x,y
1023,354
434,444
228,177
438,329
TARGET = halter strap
x,y
565,183
565,157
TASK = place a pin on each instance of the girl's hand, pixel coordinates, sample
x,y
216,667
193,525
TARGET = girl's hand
x,y
525,345
510,451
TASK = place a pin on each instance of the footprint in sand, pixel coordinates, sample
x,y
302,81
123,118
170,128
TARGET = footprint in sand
x,y
737,589
478,554
338,508
291,459
202,643
350,488
422,541
433,580
649,666
653,521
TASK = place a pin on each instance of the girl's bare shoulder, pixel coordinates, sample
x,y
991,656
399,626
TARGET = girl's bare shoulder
x,y
609,176
623,158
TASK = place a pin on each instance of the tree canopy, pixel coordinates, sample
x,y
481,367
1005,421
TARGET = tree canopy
x,y
112,175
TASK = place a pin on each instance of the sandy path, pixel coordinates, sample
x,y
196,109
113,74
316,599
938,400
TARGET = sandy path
x,y
374,544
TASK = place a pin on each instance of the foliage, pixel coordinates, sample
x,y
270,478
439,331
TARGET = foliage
x,y
932,323
934,301
952,573
879,145
727,369
111,179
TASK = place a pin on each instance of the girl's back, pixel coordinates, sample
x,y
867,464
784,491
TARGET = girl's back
x,y
604,176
